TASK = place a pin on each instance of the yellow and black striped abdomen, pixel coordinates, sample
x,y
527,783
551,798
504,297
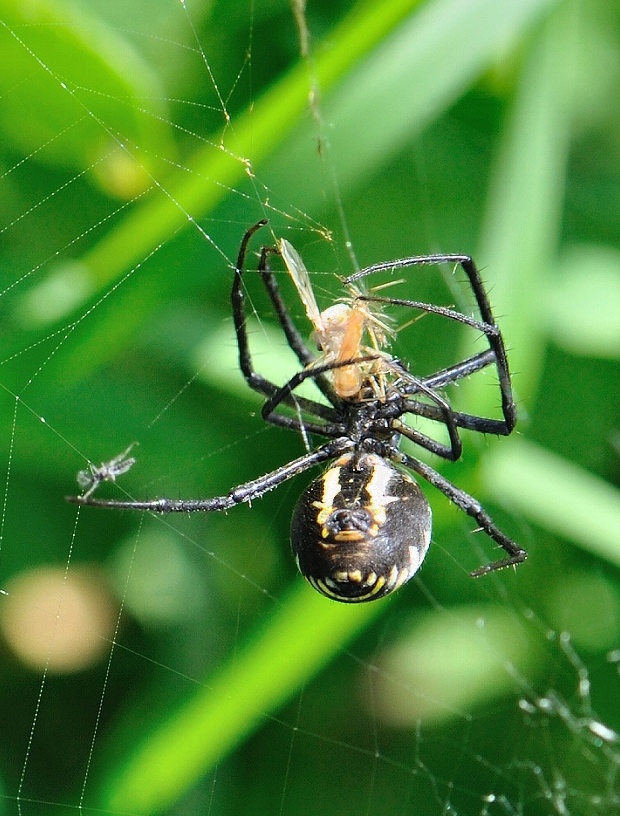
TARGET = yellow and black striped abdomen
x,y
361,529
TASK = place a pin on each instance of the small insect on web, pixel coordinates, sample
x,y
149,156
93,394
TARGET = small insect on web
x,y
90,479
363,527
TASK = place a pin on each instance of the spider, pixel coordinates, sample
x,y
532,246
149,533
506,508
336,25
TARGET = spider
x,y
363,527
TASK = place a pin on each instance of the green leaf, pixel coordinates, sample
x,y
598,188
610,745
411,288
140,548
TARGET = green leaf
x,y
89,98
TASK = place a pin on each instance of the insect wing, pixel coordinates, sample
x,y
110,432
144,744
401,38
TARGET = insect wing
x,y
298,272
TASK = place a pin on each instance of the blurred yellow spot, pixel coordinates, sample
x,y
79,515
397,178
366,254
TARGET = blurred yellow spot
x,y
120,174
62,621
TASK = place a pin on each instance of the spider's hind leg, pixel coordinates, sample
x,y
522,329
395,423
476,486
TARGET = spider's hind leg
x,y
468,504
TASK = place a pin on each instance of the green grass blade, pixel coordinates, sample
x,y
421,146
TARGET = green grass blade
x,y
409,81
303,635
557,495
524,208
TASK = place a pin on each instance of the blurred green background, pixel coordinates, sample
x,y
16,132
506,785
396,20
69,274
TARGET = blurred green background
x,y
180,665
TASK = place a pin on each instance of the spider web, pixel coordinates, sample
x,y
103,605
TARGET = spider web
x,y
135,159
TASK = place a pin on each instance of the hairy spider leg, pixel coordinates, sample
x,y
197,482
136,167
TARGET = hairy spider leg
x,y
463,369
246,492
468,504
487,326
256,381
442,411
450,375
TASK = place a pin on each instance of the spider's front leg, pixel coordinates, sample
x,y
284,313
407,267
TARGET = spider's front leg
x,y
237,300
487,326
237,297
294,339
449,375
441,411
496,342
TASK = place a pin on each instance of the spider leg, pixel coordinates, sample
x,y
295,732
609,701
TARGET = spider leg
x,y
452,374
509,409
468,504
463,369
427,442
284,394
255,380
442,411
431,308
468,421
301,425
237,299
490,330
246,492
